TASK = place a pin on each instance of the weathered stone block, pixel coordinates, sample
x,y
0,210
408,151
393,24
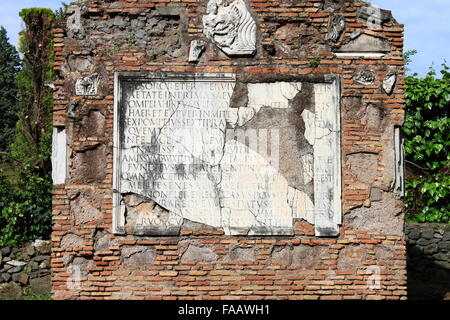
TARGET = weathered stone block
x,y
6,276
21,278
414,234
199,254
15,270
351,257
423,242
428,233
444,245
282,255
430,249
446,236
382,216
137,256
43,246
240,254
224,173
5,251
10,291
71,241
40,286
307,257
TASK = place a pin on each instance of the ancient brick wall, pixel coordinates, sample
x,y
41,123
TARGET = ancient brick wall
x,y
299,40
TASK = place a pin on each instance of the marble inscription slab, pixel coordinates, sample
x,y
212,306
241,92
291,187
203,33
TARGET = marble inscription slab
x,y
182,151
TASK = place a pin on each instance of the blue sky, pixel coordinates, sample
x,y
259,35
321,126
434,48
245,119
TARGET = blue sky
x,y
427,26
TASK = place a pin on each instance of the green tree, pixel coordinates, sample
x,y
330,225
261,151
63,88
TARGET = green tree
x,y
33,143
26,211
427,146
9,66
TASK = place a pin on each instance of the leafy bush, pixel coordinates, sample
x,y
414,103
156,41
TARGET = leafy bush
x,y
26,213
427,147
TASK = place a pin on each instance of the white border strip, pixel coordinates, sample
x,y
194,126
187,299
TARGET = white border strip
x,y
360,54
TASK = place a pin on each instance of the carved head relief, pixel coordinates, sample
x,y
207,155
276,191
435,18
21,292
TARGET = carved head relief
x,y
230,26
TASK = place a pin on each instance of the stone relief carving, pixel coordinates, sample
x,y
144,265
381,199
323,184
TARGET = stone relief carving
x,y
87,86
365,77
230,26
197,48
336,28
389,81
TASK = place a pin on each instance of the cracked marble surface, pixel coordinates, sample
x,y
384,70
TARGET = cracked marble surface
x,y
180,146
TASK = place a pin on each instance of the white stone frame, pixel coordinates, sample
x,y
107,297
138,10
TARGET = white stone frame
x,y
59,155
328,214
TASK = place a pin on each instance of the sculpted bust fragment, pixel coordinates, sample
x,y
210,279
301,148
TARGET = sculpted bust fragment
x,y
230,26
197,48
389,81
336,29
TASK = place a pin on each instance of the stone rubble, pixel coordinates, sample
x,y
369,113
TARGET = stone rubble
x,y
25,269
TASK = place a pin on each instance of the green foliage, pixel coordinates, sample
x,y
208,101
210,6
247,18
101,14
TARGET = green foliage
x,y
60,13
26,214
32,147
25,196
32,15
427,146
40,297
9,66
314,62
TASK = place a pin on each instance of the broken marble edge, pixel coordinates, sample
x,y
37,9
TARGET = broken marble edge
x,y
118,220
399,181
59,155
324,227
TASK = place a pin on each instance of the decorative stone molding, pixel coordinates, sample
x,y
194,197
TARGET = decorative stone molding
x,y
389,81
197,48
364,45
365,77
399,181
87,86
231,27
